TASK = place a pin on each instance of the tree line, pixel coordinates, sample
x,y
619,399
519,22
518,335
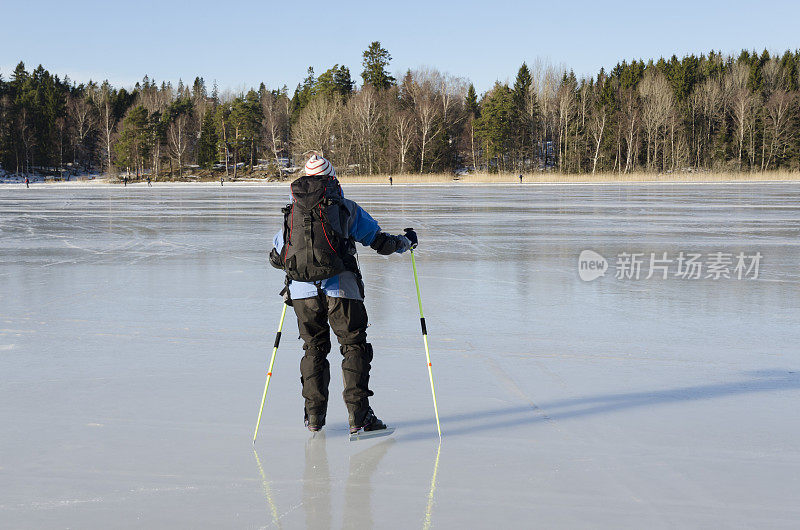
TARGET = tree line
x,y
698,113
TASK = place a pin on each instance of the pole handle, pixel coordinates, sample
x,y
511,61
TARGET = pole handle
x,y
413,243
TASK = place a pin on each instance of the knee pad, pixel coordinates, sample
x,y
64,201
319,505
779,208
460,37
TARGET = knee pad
x,y
321,350
361,351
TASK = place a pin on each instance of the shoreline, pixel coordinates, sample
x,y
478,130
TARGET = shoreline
x,y
175,185
447,180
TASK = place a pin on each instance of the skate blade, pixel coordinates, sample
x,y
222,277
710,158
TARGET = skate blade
x,y
317,434
364,435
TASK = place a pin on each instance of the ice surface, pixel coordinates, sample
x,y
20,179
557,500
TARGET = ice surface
x,y
136,324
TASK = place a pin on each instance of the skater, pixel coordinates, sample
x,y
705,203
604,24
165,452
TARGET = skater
x,y
221,181
390,181
336,293
124,182
149,184
27,182
520,179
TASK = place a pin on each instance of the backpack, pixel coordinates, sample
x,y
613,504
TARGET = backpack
x,y
316,245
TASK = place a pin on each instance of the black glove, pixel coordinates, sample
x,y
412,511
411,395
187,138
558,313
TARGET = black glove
x,y
385,244
412,236
275,259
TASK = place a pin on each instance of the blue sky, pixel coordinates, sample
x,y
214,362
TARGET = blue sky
x,y
241,43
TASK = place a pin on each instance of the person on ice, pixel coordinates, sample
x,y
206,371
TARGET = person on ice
x,y
317,250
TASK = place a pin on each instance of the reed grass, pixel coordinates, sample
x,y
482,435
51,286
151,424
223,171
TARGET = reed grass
x,y
559,178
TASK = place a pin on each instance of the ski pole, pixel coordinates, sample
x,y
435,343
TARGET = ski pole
x,y
425,340
269,371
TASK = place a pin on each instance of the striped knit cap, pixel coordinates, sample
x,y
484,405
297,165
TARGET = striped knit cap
x,y
318,166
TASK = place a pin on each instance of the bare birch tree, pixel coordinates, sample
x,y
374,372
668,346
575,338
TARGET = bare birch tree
x,y
545,82
84,119
102,101
712,103
275,122
740,104
427,109
657,106
779,109
365,116
566,111
598,127
179,138
313,129
403,130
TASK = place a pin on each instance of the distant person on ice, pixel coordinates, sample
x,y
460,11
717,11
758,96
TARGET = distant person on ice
x,y
149,184
317,250
221,180
27,183
520,179
390,181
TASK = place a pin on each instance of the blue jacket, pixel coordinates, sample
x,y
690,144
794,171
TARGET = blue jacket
x,y
362,228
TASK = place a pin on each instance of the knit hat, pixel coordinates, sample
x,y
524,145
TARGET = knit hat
x,y
318,166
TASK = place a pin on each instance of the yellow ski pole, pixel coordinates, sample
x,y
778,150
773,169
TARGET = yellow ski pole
x,y
269,371
425,339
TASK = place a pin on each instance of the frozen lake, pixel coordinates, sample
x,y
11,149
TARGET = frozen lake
x,y
136,324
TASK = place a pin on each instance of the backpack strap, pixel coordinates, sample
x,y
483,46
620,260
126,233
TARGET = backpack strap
x,y
306,259
287,297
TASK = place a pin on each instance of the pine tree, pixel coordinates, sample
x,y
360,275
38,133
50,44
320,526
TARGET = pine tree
x,y
342,80
132,148
521,87
334,82
245,122
303,94
473,113
376,60
522,118
471,102
199,89
496,125
207,144
222,127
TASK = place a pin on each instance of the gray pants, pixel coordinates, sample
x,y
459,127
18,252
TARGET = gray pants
x,y
348,318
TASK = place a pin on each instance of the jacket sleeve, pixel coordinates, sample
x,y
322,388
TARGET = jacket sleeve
x,y
366,231
363,228
275,254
